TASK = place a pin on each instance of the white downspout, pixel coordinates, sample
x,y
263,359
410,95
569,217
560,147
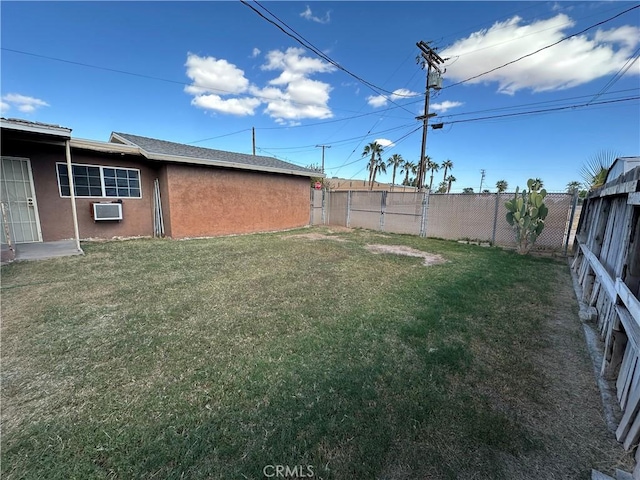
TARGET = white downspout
x,y
74,212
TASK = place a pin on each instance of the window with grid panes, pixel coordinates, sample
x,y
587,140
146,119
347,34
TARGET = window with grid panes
x,y
100,181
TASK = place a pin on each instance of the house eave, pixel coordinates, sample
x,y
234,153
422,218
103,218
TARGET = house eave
x,y
104,147
219,163
34,127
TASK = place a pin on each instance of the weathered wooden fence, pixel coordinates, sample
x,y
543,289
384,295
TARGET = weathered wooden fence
x,y
607,265
478,217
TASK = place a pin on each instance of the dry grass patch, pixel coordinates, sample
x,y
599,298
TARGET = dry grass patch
x,y
429,258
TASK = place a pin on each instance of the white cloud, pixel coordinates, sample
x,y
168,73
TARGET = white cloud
x,y
572,62
235,106
292,95
289,97
255,52
308,15
293,65
377,100
211,75
444,106
384,142
382,100
22,103
4,107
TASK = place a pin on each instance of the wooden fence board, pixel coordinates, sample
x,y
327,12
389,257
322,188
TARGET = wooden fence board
x,y
630,412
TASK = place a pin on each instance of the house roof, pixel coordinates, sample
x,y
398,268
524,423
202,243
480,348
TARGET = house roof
x,y
35,127
163,150
620,166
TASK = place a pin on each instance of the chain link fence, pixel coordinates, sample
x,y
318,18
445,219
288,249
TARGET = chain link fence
x,y
473,217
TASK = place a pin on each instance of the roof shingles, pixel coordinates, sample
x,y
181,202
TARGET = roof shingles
x,y
162,147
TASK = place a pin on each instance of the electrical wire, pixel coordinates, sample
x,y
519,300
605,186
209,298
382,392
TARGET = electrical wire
x,y
513,107
307,44
533,112
543,48
322,55
624,69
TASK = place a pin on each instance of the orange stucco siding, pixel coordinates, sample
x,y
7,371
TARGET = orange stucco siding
x,y
212,201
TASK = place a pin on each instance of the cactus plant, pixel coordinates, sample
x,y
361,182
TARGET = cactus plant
x,y
526,213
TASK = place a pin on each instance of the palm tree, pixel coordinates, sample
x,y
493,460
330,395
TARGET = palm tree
x,y
434,167
450,179
396,161
375,150
380,166
407,168
442,187
573,187
594,171
537,184
502,186
447,165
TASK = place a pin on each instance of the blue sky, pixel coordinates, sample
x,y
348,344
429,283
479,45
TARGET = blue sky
x,y
207,73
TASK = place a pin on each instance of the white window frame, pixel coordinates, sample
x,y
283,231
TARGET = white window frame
x,y
102,185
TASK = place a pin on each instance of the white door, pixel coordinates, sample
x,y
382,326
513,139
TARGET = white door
x,y
18,197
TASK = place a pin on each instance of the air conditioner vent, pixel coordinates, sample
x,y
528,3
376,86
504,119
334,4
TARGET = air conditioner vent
x,y
107,211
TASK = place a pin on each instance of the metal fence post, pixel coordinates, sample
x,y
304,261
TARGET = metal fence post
x,y
324,213
495,220
423,218
383,204
574,205
349,208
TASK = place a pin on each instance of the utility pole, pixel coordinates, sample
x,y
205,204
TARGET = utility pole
x,y
482,173
323,147
432,60
253,132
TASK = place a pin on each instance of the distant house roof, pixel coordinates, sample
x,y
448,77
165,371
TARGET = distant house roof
x,y
35,127
177,152
620,166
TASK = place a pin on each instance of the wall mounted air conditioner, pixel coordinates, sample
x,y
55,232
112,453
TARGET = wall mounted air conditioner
x,y
107,211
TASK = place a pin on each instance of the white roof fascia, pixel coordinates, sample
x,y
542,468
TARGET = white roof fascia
x,y
220,163
107,147
122,139
36,128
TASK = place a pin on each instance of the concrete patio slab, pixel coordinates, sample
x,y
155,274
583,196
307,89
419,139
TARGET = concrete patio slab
x,y
43,250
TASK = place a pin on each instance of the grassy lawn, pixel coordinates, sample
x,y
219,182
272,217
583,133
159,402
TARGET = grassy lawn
x,y
215,358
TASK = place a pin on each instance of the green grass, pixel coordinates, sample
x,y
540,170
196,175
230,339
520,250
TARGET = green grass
x,y
213,358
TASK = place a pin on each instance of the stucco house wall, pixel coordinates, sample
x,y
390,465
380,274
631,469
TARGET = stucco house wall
x,y
215,201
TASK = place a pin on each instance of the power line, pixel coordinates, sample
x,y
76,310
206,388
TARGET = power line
x,y
305,43
404,137
513,107
544,48
533,112
516,39
618,74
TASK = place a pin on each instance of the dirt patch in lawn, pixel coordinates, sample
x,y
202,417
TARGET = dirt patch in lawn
x,y
315,237
429,258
